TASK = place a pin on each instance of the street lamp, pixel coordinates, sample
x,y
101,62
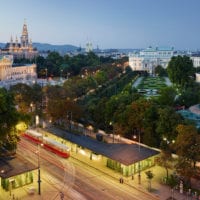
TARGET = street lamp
x,y
61,71
31,111
111,124
69,117
39,178
139,174
37,121
31,105
46,73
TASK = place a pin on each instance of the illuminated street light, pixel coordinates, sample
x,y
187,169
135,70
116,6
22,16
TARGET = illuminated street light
x,y
31,105
37,121
139,174
111,124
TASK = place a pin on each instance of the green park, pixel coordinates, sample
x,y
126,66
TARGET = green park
x,y
99,92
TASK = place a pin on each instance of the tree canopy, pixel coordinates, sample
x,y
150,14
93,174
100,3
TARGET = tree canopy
x,y
188,143
8,120
180,70
160,71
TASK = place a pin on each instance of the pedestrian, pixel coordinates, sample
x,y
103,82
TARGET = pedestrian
x,y
122,180
132,176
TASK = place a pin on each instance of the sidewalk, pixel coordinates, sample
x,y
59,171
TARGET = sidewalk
x,y
159,190
30,192
137,82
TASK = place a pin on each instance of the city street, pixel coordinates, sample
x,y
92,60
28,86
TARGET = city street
x,y
76,180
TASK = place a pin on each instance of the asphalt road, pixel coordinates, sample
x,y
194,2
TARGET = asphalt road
x,y
76,180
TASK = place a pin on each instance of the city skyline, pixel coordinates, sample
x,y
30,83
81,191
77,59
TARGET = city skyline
x,y
108,24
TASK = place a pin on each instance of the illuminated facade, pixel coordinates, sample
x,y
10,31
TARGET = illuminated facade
x,y
10,72
89,47
196,60
125,158
148,59
22,49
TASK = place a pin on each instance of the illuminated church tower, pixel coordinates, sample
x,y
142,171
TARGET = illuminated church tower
x,y
24,37
22,49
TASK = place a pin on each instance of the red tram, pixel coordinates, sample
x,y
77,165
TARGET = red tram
x,y
48,143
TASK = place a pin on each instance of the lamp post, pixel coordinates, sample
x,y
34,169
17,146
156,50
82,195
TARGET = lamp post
x,y
31,105
46,73
61,71
39,177
139,174
31,111
37,121
69,116
113,132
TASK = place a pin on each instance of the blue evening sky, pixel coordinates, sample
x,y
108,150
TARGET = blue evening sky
x,y
106,23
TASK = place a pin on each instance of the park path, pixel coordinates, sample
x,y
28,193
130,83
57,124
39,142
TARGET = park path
x,y
138,81
140,78
167,81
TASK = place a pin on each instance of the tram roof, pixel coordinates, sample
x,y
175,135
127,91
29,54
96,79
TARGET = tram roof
x,y
34,133
126,154
55,143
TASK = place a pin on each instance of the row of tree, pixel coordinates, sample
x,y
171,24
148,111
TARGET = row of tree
x,y
9,118
55,65
105,97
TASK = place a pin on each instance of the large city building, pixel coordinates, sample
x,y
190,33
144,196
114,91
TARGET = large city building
x,y
148,59
22,49
10,72
89,47
196,60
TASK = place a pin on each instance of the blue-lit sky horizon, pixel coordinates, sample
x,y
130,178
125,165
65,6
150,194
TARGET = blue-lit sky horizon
x,y
106,23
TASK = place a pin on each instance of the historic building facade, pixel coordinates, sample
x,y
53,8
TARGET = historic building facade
x,y
196,60
10,72
22,49
148,59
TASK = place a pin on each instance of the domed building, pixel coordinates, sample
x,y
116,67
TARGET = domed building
x,y
22,49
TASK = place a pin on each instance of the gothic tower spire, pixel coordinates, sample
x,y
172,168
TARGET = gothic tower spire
x,y
24,31
11,44
24,37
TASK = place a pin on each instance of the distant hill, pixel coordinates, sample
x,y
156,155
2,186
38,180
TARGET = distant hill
x,y
50,47
62,49
59,48
2,45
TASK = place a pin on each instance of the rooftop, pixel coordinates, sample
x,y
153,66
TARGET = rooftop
x,y
151,49
126,154
12,166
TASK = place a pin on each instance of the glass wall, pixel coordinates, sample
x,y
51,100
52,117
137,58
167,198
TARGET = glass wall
x,y
17,181
131,169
